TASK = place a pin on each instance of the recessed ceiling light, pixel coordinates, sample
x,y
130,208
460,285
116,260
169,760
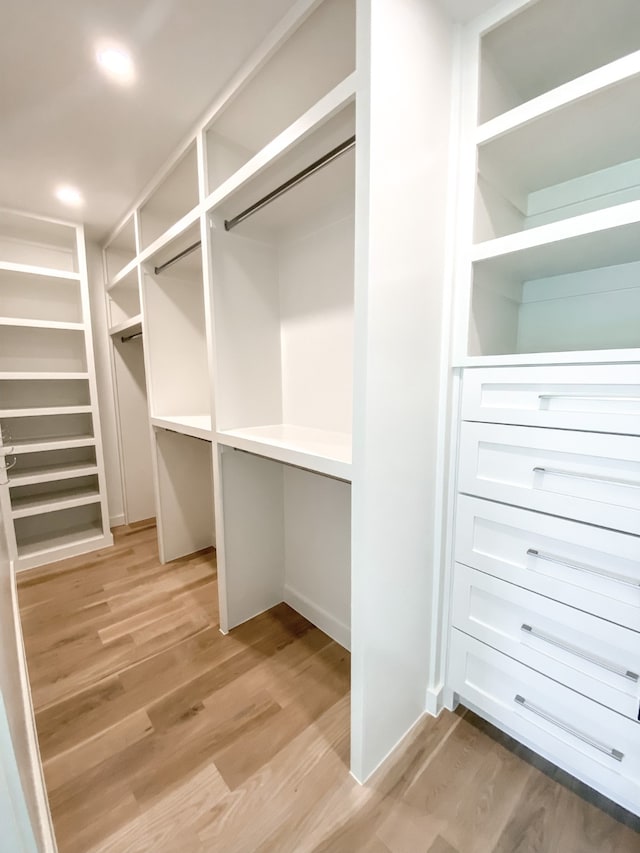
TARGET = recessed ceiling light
x,y
116,63
69,195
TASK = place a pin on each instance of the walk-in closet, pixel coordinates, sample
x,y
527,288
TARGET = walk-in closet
x,y
320,427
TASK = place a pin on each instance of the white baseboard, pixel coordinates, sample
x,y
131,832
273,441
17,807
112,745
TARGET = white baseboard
x,y
116,520
337,630
440,697
42,803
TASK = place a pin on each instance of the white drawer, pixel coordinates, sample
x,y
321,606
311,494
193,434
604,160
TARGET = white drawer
x,y
591,568
590,655
593,743
598,397
588,476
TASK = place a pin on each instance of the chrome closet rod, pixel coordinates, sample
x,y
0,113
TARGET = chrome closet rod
x,y
292,182
125,338
177,257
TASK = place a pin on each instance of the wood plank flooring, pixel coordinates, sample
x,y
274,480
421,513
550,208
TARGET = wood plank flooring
x,y
160,735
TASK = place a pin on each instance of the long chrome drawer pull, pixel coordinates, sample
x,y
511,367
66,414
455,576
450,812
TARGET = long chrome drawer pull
x,y
589,397
596,744
578,652
583,567
558,472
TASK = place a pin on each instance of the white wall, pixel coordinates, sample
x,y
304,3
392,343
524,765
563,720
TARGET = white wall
x,y
401,211
25,823
105,384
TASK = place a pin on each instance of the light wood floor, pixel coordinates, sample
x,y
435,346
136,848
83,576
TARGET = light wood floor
x,y
159,735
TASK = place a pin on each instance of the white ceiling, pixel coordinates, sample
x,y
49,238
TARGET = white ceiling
x,y
62,121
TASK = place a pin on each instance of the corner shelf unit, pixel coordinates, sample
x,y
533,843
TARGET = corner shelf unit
x,y
52,484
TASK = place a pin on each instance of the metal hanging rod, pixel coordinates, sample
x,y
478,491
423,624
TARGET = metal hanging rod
x,y
125,338
292,182
176,258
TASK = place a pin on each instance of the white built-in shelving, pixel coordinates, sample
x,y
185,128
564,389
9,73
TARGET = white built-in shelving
x,y
556,206
245,365
51,467
547,331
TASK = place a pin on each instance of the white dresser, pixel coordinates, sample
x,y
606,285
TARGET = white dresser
x,y
545,625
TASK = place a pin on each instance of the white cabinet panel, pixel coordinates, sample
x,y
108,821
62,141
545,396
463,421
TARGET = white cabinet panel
x,y
590,655
594,743
597,397
588,567
586,476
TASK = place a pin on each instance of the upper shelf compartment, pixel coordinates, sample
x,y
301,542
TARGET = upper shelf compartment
x,y
120,252
531,54
175,196
579,157
35,245
278,93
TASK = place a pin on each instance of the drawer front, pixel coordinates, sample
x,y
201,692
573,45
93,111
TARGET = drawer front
x,y
592,742
587,567
587,476
598,397
590,655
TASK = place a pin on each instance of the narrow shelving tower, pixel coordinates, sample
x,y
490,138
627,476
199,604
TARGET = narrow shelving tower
x,y
52,483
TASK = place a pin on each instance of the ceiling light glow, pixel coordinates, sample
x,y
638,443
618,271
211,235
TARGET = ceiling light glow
x,y
69,195
116,63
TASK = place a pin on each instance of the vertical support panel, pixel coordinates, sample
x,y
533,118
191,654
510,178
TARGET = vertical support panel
x,y
405,64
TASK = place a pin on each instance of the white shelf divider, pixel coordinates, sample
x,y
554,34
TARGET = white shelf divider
x,y
130,326
41,445
65,544
321,112
122,274
45,411
39,504
28,269
603,238
40,324
51,473
41,375
197,426
321,451
602,78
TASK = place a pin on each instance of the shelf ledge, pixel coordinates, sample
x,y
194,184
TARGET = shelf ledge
x,y
322,451
42,504
132,325
41,324
45,272
196,426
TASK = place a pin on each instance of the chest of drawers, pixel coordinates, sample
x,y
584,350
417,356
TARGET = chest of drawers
x,y
545,618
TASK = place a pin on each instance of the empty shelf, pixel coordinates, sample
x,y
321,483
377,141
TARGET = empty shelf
x,y
323,451
66,499
197,426
48,473
130,326
36,412
28,269
40,324
30,546
36,445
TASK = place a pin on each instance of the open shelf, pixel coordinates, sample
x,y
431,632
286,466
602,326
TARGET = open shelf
x,y
44,411
120,252
40,349
530,53
38,395
131,326
55,532
561,287
176,195
31,243
38,445
197,426
40,300
32,270
47,466
316,450
254,117
592,164
41,324
52,497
